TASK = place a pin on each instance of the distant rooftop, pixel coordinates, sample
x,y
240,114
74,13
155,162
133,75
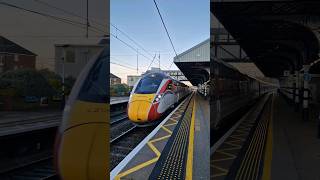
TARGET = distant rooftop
x,y
113,76
7,46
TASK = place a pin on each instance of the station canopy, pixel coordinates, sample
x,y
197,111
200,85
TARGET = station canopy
x,y
195,63
276,35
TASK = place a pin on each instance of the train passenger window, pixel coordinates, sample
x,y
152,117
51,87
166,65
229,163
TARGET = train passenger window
x,y
95,85
149,84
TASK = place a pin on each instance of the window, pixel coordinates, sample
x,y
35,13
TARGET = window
x,y
70,55
149,84
95,87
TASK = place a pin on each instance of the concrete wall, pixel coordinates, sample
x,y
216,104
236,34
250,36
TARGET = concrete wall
x,y
131,80
82,54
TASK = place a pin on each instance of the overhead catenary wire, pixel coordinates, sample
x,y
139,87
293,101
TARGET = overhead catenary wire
x,y
127,64
135,42
165,27
131,39
60,19
121,31
42,14
69,12
122,65
96,22
76,23
151,61
130,46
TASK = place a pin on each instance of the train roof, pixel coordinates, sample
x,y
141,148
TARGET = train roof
x,y
162,75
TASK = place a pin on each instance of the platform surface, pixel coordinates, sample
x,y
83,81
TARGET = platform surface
x,y
201,155
178,150
116,100
296,148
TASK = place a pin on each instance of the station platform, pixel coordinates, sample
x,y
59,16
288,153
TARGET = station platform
x,y
117,100
176,149
296,148
270,142
14,122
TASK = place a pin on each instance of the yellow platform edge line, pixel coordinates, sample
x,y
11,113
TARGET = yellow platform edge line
x,y
149,162
266,175
136,168
189,167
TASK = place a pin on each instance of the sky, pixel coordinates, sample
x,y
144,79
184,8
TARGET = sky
x,y
187,21
39,34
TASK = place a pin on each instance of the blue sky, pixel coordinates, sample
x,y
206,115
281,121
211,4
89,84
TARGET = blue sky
x,y
188,23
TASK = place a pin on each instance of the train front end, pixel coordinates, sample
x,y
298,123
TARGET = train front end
x,y
81,148
145,99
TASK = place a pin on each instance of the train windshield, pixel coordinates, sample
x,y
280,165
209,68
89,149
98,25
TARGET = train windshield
x,y
149,84
95,86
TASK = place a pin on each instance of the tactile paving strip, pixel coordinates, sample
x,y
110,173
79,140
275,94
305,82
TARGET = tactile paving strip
x,y
167,127
251,166
223,160
172,162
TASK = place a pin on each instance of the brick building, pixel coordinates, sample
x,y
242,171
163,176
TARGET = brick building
x,y
14,56
114,79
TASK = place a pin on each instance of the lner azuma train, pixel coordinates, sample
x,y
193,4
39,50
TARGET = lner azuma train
x,y
152,96
232,90
81,149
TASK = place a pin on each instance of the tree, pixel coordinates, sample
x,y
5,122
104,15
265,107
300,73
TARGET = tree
x,y
26,82
119,90
55,81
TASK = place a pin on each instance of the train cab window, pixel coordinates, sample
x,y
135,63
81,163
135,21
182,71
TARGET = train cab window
x,y
95,87
149,84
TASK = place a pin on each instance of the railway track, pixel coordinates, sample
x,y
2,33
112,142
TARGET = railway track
x,y
120,125
41,169
124,144
118,116
9,123
27,122
125,136
13,127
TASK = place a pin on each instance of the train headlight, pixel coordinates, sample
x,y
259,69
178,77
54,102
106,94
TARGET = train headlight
x,y
158,97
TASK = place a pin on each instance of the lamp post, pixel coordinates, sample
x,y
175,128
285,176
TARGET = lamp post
x,y
63,101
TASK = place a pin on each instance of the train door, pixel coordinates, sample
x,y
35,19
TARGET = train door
x,y
169,95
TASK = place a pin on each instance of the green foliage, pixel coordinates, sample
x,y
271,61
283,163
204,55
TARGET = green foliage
x,y
55,81
119,90
26,82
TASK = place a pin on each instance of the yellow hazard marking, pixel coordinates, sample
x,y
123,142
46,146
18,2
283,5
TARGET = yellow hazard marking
x,y
241,132
266,175
166,129
222,173
189,168
153,148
